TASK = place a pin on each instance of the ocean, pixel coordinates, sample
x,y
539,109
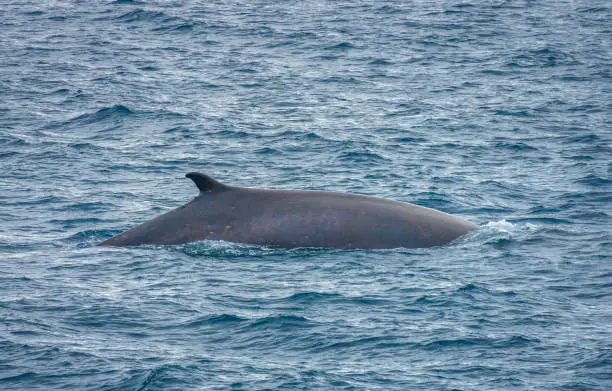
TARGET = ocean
x,y
496,111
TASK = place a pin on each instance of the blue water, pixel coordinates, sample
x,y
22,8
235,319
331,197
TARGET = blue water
x,y
497,111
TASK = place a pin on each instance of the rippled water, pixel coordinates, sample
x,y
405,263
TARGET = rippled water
x,y
497,111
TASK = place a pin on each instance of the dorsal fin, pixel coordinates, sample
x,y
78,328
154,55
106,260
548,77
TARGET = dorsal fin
x,y
205,183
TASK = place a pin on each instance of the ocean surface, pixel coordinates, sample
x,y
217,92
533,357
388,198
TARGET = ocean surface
x,y
496,111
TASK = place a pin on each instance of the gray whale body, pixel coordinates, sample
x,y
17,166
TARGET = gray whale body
x,y
295,219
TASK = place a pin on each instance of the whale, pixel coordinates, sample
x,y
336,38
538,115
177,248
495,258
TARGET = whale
x,y
294,219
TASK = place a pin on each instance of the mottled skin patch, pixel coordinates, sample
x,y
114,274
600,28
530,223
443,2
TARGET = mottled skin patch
x,y
295,219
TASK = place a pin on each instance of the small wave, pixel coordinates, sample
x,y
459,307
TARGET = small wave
x,y
310,297
512,113
541,58
43,200
267,151
8,154
156,378
108,316
75,222
472,288
407,139
231,134
364,343
306,136
505,226
582,138
83,146
380,61
455,343
213,320
342,46
595,181
499,343
108,113
341,79
543,220
141,15
19,377
222,249
515,146
91,237
596,360
282,322
405,112
500,233
177,27
131,2
179,129
361,157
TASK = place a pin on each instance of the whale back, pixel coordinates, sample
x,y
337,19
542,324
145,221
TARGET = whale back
x,y
289,218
